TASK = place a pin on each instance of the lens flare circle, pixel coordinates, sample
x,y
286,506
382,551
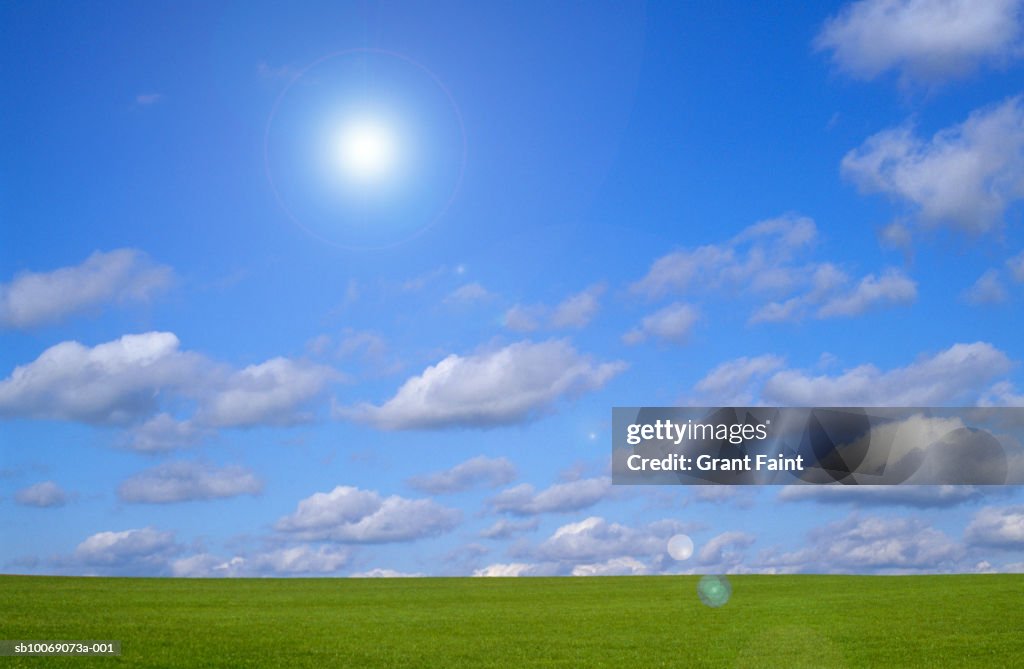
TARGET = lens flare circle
x,y
714,591
680,547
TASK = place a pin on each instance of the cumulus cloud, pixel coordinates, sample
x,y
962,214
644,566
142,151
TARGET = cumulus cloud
x,y
767,260
510,385
525,500
997,527
478,471
956,373
115,382
670,324
923,40
758,259
146,549
575,311
43,495
187,481
162,433
1002,394
125,381
725,549
917,496
594,539
891,287
965,176
272,392
300,560
511,569
872,544
621,566
961,373
31,299
384,573
350,515
731,383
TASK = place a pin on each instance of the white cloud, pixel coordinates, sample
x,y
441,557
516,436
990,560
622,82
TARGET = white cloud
x,y
725,549
162,433
621,566
730,383
961,373
998,527
892,287
521,318
758,259
896,235
384,573
1002,394
918,496
510,385
478,471
272,392
44,495
595,540
828,292
885,545
965,176
147,99
576,311
671,324
503,529
988,289
126,380
825,280
766,261
186,481
927,40
350,515
115,382
524,500
297,560
39,298
146,547
468,293
511,569
957,373
302,560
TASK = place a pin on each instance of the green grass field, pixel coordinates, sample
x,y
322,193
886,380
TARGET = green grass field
x,y
771,621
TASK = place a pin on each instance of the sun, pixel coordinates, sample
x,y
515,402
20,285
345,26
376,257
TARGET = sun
x,y
366,150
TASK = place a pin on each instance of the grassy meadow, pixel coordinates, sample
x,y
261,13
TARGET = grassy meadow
x,y
771,621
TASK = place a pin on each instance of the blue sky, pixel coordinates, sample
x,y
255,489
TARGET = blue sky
x,y
351,288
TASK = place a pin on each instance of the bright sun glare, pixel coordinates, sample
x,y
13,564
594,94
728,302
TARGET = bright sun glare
x,y
367,150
